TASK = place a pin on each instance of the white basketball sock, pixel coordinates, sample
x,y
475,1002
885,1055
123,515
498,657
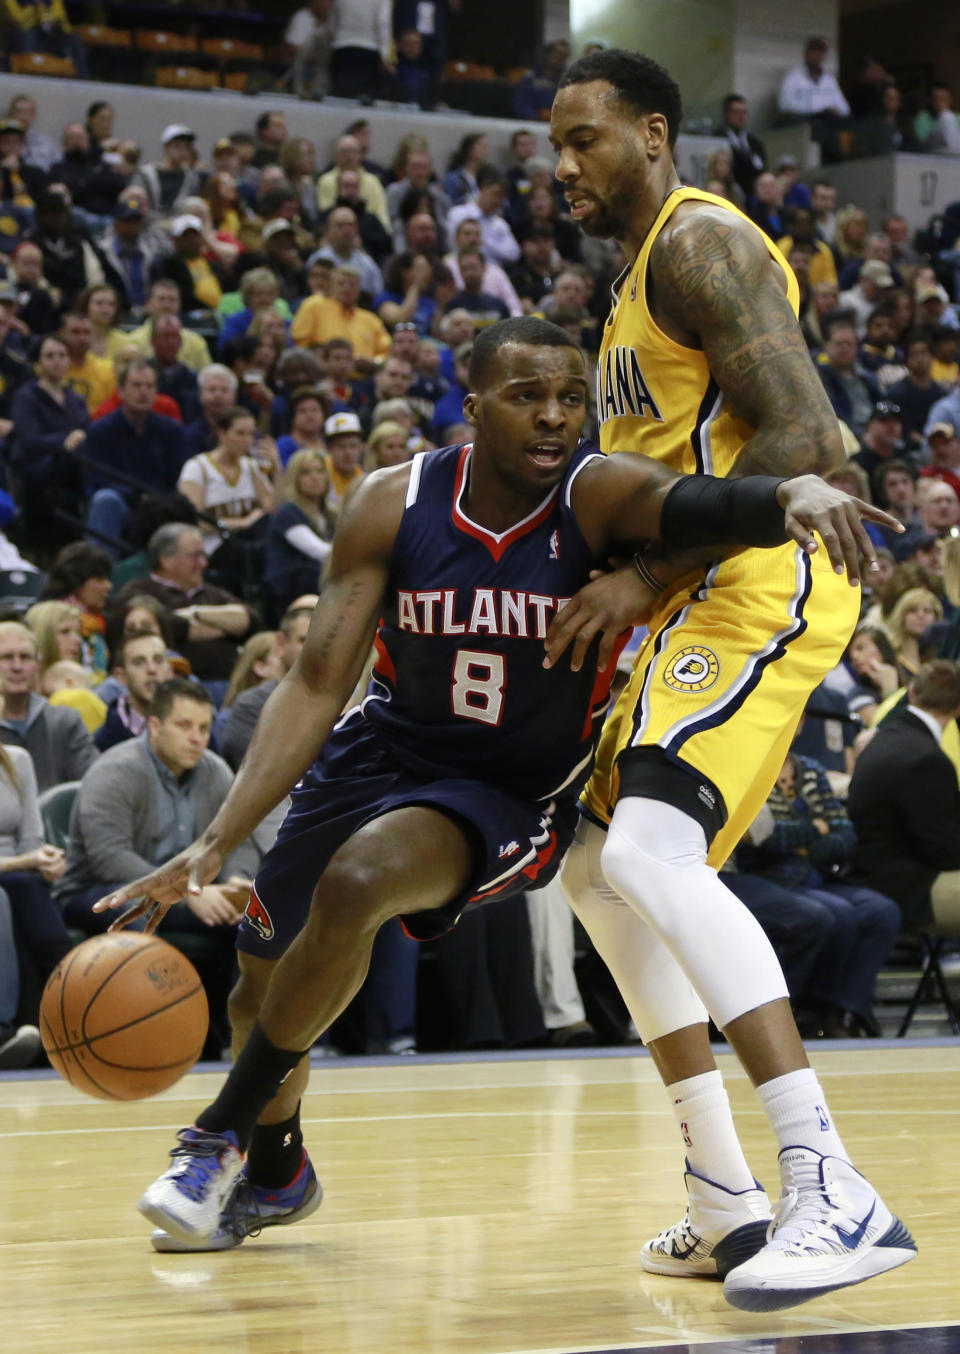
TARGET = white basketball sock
x,y
798,1113
701,1108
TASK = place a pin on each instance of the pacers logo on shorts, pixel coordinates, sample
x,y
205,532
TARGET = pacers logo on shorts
x,y
693,669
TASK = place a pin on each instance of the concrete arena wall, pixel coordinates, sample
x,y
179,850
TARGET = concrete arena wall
x,y
143,112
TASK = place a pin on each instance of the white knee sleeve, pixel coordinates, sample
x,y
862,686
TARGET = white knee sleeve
x,y
655,858
656,990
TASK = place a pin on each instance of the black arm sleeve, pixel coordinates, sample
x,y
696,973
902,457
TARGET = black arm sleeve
x,y
701,510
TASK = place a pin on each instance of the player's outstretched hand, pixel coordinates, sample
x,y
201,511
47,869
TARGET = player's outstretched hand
x,y
607,606
811,505
152,896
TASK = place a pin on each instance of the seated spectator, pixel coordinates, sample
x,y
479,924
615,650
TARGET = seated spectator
x,y
164,299
66,683
894,483
101,306
163,404
226,483
373,237
944,448
871,664
449,410
499,242
796,194
811,837
938,506
534,95
802,230
94,184
133,442
320,319
873,279
809,92
39,149
14,367
905,804
20,183
387,445
720,180
881,439
206,622
945,340
877,247
917,392
541,209
271,128
339,366
851,391
407,293
937,128
245,709
140,614
483,308
496,281
90,376
824,297
57,739
80,576
219,246
140,664
342,246
296,367
460,183
912,616
348,155
765,207
416,173
174,378
281,257
307,415
56,628
532,278
131,252
257,662
299,531
49,419
36,300
850,237
200,282
172,178
259,294
70,262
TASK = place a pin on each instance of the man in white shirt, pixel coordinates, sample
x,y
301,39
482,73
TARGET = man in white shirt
x,y
495,281
497,239
809,91
307,41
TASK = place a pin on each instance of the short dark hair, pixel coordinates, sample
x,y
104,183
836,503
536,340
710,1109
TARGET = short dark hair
x,y
936,686
895,466
637,80
229,417
489,176
837,319
183,687
290,615
915,337
74,564
733,98
119,654
519,329
303,393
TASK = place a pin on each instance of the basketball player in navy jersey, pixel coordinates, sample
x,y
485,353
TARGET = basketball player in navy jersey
x,y
456,779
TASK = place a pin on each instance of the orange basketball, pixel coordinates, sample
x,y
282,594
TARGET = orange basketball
x,y
123,1016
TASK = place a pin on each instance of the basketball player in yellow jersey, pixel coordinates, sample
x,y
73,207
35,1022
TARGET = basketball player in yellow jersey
x,y
703,366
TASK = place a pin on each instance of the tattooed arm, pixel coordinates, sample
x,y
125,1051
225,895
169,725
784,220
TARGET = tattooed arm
x,y
300,713
714,286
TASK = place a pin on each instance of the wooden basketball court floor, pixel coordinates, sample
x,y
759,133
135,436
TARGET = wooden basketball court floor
x,y
489,1206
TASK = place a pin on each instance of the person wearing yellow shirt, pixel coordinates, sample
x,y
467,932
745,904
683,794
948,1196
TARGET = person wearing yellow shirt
x,y
349,155
345,447
822,265
90,376
198,280
42,26
164,299
321,318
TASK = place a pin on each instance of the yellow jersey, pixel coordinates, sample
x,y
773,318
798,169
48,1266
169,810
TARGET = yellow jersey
x,y
653,394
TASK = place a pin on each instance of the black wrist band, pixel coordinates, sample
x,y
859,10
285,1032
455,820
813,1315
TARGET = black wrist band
x,y
647,577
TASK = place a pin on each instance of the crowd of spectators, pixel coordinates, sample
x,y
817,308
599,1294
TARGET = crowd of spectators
x,y
200,359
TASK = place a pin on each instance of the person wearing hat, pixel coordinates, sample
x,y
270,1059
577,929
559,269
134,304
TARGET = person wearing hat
x,y
944,447
280,255
131,251
199,280
803,230
882,438
345,448
71,262
321,318
20,182
173,177
863,297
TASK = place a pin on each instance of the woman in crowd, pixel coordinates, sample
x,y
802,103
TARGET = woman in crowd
x,y
914,613
220,246
308,411
298,160
80,576
460,185
824,298
871,664
227,212
101,305
226,483
56,627
49,419
28,865
720,178
387,445
811,843
407,295
258,661
298,535
540,209
850,241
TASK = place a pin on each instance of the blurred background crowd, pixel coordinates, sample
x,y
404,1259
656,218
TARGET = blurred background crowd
x,y
207,343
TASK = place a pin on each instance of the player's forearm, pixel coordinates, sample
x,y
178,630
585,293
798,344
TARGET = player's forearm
x,y
293,726
701,511
799,449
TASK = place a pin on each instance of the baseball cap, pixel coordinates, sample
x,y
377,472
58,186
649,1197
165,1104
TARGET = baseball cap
x,y
12,125
128,211
886,409
338,424
787,162
940,430
878,272
175,130
275,226
931,293
222,145
8,295
182,223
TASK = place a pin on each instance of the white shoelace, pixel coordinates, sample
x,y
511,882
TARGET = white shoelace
x,y
804,1215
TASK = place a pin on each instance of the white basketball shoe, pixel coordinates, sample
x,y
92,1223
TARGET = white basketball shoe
x,y
830,1229
720,1229
187,1200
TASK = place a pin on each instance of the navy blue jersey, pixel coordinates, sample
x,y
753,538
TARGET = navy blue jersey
x,y
458,686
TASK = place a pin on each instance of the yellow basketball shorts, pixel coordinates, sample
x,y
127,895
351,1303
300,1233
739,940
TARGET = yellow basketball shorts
x,y
722,679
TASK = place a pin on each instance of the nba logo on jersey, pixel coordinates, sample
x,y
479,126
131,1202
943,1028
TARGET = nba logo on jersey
x,y
258,917
686,1134
555,545
824,1121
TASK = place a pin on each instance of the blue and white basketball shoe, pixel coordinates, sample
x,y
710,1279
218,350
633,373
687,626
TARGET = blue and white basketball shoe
x,y
189,1197
830,1229
720,1229
249,1209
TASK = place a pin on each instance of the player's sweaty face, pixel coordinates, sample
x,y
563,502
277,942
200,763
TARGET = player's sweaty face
x,y
530,416
601,164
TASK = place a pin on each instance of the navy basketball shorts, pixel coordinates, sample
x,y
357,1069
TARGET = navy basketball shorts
x,y
517,844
